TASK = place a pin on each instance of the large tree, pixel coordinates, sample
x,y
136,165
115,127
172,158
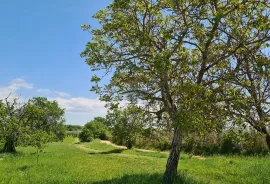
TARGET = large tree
x,y
175,56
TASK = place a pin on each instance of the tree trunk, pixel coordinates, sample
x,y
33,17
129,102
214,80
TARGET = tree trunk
x,y
9,146
268,141
172,163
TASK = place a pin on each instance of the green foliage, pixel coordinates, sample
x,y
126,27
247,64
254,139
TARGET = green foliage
x,y
126,125
45,117
74,130
95,129
228,142
12,122
74,127
176,55
34,123
86,135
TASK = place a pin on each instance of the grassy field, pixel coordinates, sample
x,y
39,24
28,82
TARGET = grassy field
x,y
99,163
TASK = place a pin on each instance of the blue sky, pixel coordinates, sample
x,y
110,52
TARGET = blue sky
x,y
40,44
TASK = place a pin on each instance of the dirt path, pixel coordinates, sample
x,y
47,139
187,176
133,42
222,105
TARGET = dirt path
x,y
81,147
114,145
144,150
85,149
124,147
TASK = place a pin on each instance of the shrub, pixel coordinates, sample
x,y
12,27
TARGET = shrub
x,y
94,130
86,135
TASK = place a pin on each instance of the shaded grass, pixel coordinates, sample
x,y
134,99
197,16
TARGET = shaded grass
x,y
146,179
68,163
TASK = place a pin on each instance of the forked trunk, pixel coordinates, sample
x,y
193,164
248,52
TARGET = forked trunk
x,y
9,146
172,163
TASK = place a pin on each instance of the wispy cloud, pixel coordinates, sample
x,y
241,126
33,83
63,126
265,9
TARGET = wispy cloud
x,y
13,87
62,94
44,91
53,93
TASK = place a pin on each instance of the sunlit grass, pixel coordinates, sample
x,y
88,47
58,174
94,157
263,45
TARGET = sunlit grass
x,y
99,163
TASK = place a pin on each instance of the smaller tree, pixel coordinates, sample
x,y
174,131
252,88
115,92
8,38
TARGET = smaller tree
x,y
95,129
38,139
86,135
126,124
45,123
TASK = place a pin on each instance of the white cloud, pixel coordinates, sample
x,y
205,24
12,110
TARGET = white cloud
x,y
13,87
82,105
62,94
44,91
80,110
53,93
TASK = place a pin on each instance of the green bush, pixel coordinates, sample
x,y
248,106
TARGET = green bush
x,y
229,146
98,129
1,146
86,135
163,145
254,144
94,130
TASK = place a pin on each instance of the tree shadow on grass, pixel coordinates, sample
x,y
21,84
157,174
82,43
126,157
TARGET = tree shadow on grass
x,y
17,153
115,151
148,179
24,167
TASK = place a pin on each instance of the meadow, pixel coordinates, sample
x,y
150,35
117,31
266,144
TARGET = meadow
x,y
99,163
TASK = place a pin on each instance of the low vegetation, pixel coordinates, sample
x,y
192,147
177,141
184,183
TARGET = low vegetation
x,y
98,163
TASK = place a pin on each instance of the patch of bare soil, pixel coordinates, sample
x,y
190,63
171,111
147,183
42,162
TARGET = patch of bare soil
x,y
81,147
145,150
199,157
114,145
124,147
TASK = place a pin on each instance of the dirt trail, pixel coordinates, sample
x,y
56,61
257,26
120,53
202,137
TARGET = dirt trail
x,y
124,147
85,149
81,147
145,150
114,145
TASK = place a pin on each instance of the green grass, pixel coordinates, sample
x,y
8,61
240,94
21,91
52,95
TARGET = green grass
x,y
97,148
99,163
